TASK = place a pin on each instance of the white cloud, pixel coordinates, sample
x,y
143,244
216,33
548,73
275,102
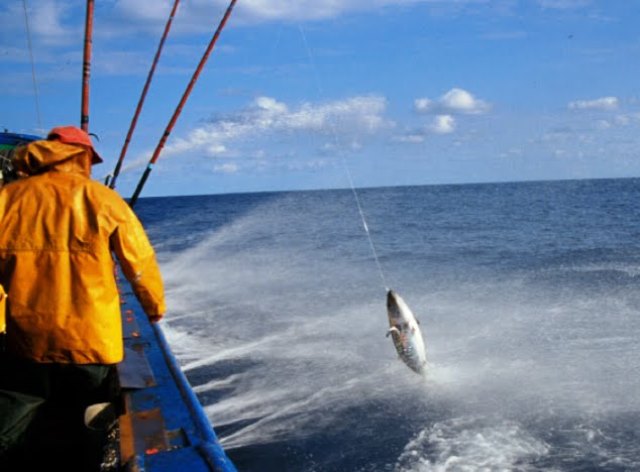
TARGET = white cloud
x,y
443,124
604,103
324,9
440,124
563,4
196,15
299,10
216,149
266,117
412,138
618,121
422,105
270,105
146,10
455,101
228,168
460,101
57,22
48,21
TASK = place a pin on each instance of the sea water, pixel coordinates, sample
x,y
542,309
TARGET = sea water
x,y
528,299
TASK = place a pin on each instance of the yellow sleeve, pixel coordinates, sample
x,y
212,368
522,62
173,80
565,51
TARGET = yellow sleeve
x,y
138,261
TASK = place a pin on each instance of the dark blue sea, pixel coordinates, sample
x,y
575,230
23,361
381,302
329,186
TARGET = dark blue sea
x,y
529,302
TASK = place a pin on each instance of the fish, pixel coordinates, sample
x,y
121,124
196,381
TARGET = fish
x,y
405,333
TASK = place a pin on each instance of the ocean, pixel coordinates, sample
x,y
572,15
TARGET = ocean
x,y
527,295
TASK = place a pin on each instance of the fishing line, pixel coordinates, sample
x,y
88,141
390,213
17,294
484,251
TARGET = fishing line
x,y
33,67
339,151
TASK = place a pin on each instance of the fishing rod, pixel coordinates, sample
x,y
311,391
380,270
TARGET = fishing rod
x,y
86,67
134,120
176,113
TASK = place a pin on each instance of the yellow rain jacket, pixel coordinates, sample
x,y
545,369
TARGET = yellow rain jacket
x,y
58,229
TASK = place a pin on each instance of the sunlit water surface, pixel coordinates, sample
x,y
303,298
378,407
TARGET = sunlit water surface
x,y
527,296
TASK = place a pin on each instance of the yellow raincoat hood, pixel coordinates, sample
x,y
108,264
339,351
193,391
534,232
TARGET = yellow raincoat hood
x,y
59,229
42,156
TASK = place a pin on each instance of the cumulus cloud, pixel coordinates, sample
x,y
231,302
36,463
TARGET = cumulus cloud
x,y
455,101
604,103
443,124
267,117
440,124
460,101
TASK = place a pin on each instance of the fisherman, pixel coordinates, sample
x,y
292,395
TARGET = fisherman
x,y
63,321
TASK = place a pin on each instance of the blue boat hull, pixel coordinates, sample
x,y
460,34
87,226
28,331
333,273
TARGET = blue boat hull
x,y
163,426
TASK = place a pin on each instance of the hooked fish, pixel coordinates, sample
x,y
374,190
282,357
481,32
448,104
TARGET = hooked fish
x,y
405,333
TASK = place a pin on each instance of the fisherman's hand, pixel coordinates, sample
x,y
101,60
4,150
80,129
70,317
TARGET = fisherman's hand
x,y
155,318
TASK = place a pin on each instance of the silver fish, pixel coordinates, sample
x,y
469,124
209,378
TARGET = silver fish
x,y
405,332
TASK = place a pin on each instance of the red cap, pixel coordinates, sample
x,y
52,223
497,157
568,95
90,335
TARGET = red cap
x,y
74,135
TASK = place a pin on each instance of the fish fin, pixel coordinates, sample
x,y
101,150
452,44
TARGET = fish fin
x,y
391,330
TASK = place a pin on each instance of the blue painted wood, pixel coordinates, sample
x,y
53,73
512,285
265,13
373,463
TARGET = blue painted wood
x,y
192,442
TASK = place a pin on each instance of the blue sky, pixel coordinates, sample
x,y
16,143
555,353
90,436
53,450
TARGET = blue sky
x,y
401,91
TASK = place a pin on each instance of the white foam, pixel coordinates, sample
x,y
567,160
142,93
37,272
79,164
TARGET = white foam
x,y
471,444
311,329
